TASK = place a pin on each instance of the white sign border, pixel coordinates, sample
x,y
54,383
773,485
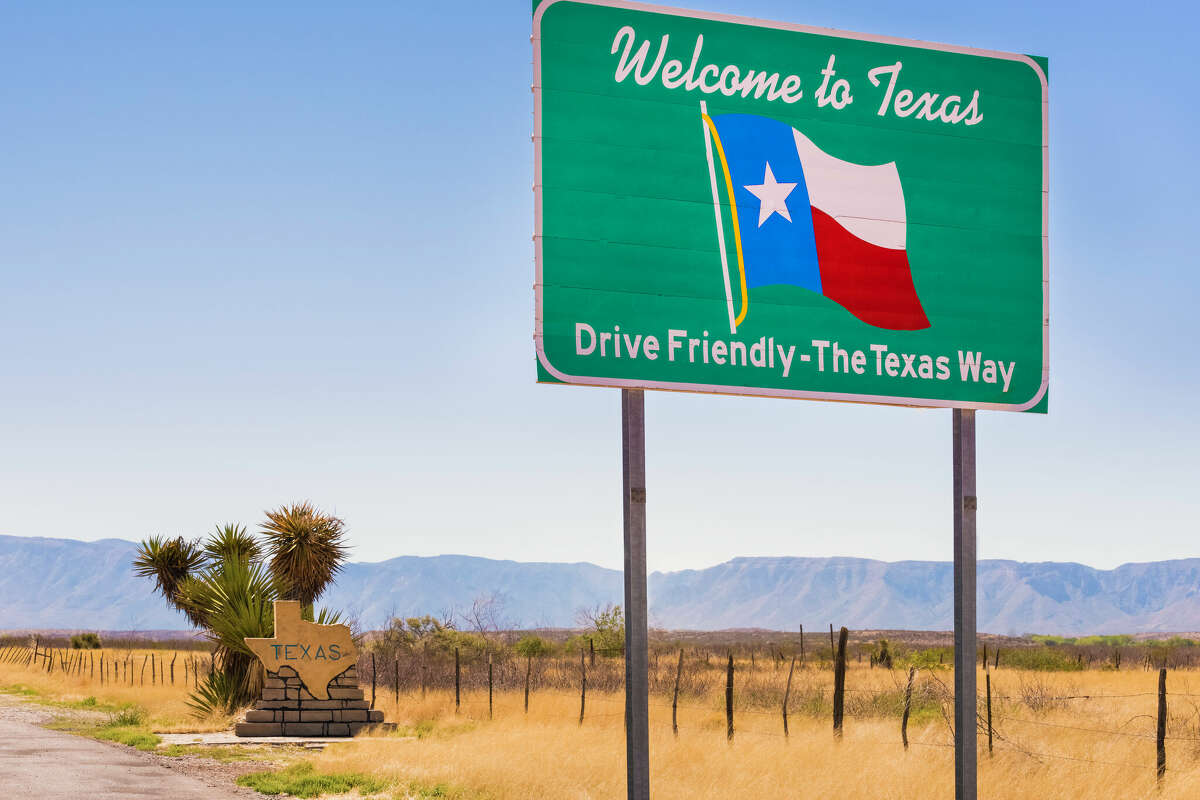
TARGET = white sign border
x,y
631,383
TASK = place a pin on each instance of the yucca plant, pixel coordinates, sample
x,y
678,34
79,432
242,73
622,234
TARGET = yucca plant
x,y
170,562
228,583
217,693
235,598
306,548
232,541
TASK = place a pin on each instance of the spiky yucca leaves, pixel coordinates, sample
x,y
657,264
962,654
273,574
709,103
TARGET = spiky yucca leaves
x,y
217,693
306,549
232,541
235,599
170,562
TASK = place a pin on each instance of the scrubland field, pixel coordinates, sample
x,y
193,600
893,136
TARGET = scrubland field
x,y
150,697
1081,733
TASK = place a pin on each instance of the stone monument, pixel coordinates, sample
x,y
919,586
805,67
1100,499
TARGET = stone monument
x,y
312,686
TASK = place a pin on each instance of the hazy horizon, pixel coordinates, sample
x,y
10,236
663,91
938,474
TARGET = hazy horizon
x,y
352,560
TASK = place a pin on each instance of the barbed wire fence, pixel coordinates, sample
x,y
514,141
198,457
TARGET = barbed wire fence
x,y
599,677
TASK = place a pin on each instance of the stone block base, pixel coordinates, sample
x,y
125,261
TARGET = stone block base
x,y
287,708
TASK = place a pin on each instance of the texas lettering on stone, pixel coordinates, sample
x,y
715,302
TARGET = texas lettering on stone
x,y
318,653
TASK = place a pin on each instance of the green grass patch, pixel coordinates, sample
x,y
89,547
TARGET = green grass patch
x,y
139,738
125,726
301,780
20,690
215,752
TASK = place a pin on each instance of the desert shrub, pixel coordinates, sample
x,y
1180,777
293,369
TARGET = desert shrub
x,y
606,631
429,635
927,659
126,717
1039,696
532,646
882,655
85,641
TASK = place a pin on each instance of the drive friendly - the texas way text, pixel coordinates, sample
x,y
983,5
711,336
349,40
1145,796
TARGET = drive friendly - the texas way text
x,y
766,353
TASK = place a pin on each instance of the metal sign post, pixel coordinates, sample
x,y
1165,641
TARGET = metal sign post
x,y
723,205
965,503
637,712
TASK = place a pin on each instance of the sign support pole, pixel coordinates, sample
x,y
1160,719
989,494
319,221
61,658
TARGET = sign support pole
x,y
637,712
965,690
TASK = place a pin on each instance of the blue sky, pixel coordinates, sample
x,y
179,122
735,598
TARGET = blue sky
x,y
254,253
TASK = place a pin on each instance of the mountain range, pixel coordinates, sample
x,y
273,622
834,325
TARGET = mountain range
x,y
69,584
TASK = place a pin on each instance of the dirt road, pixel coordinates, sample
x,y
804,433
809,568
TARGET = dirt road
x,y
48,765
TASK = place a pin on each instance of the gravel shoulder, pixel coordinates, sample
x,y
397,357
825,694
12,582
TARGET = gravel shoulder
x,y
51,765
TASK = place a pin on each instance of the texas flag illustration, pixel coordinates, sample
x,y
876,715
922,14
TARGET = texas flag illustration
x,y
804,218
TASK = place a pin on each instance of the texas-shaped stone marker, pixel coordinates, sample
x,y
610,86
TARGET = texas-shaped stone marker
x,y
318,653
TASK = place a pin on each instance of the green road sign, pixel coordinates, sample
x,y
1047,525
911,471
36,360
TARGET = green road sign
x,y
744,207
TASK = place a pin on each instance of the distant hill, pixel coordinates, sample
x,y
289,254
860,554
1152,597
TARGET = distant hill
x,y
68,584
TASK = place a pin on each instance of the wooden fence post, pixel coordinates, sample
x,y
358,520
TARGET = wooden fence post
x,y
802,645
996,665
424,667
787,693
582,684
729,699
174,656
985,660
839,682
988,680
528,671
396,678
592,648
153,675
143,675
1161,736
372,679
912,672
457,682
101,669
675,696
832,650
489,685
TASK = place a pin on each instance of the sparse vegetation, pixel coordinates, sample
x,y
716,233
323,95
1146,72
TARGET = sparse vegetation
x,y
85,641
1069,719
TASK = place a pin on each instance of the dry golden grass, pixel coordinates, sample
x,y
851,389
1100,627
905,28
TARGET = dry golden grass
x,y
549,755
1095,747
165,705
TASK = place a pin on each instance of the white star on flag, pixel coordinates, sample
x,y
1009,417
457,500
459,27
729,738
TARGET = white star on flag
x,y
772,197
